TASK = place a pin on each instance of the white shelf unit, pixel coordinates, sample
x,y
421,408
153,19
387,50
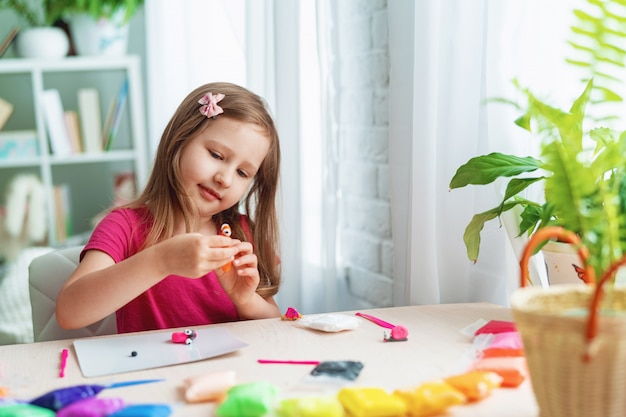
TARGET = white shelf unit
x,y
89,176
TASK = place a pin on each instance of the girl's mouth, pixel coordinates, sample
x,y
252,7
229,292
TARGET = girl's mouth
x,y
210,194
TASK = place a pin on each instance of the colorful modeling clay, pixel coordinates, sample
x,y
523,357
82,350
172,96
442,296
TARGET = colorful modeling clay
x,y
92,407
507,340
398,333
501,353
513,370
25,410
143,410
475,385
496,326
430,398
313,406
62,397
330,322
348,370
187,336
253,399
370,402
291,314
208,387
225,230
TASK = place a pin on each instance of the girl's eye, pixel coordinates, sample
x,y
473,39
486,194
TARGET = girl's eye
x,y
215,154
242,173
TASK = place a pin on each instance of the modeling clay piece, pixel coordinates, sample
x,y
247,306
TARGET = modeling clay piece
x,y
291,314
496,326
431,398
62,397
310,407
253,399
475,385
348,370
92,407
25,410
144,410
208,387
187,336
225,230
370,402
399,333
513,370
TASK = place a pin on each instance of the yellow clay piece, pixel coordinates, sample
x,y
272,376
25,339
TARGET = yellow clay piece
x,y
371,402
431,398
475,385
313,406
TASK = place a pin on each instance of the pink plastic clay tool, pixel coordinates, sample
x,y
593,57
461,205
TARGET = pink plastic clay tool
x,y
64,354
289,362
398,333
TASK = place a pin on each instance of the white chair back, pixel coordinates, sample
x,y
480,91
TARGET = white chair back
x,y
46,276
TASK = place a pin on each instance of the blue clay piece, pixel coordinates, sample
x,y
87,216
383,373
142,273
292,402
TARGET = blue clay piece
x,y
144,410
92,407
59,398
24,410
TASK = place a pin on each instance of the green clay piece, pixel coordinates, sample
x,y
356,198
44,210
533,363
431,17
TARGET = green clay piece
x,y
254,399
25,410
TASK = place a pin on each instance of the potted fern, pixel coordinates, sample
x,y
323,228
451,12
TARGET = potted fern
x,y
586,191
594,50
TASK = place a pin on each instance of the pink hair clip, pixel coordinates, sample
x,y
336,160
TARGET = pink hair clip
x,y
209,106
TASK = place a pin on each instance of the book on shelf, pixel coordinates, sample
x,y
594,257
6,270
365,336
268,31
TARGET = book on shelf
x,y
90,120
70,118
6,110
62,212
18,144
53,115
114,116
6,42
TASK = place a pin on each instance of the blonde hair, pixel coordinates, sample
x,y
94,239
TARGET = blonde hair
x,y
165,195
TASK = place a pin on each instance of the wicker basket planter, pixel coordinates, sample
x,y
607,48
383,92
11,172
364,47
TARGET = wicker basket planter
x,y
574,338
571,375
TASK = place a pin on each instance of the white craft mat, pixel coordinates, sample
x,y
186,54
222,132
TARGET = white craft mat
x,y
112,355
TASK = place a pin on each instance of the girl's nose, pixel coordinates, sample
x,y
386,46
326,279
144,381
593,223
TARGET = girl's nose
x,y
223,178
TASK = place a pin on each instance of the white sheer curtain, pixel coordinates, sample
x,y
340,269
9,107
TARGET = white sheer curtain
x,y
447,56
264,46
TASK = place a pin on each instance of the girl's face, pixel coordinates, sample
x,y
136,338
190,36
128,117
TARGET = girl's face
x,y
218,165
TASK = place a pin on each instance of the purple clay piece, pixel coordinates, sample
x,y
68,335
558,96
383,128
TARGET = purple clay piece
x,y
92,407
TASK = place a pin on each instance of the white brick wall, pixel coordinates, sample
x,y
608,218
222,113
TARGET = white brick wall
x,y
362,93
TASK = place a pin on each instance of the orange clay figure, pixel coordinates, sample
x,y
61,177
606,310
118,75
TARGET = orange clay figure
x,y
225,230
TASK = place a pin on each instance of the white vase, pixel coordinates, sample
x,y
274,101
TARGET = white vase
x,y
563,265
42,42
100,37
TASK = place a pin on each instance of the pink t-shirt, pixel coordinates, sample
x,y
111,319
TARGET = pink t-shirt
x,y
175,301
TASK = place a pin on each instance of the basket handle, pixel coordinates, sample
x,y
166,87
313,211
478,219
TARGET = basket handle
x,y
564,235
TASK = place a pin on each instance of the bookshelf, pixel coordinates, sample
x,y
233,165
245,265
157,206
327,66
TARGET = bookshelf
x,y
88,178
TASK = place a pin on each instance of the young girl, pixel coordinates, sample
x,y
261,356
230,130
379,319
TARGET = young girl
x,y
160,261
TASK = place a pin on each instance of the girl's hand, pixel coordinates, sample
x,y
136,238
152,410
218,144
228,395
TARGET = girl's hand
x,y
241,282
194,255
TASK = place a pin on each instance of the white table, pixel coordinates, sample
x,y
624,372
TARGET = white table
x,y
436,348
